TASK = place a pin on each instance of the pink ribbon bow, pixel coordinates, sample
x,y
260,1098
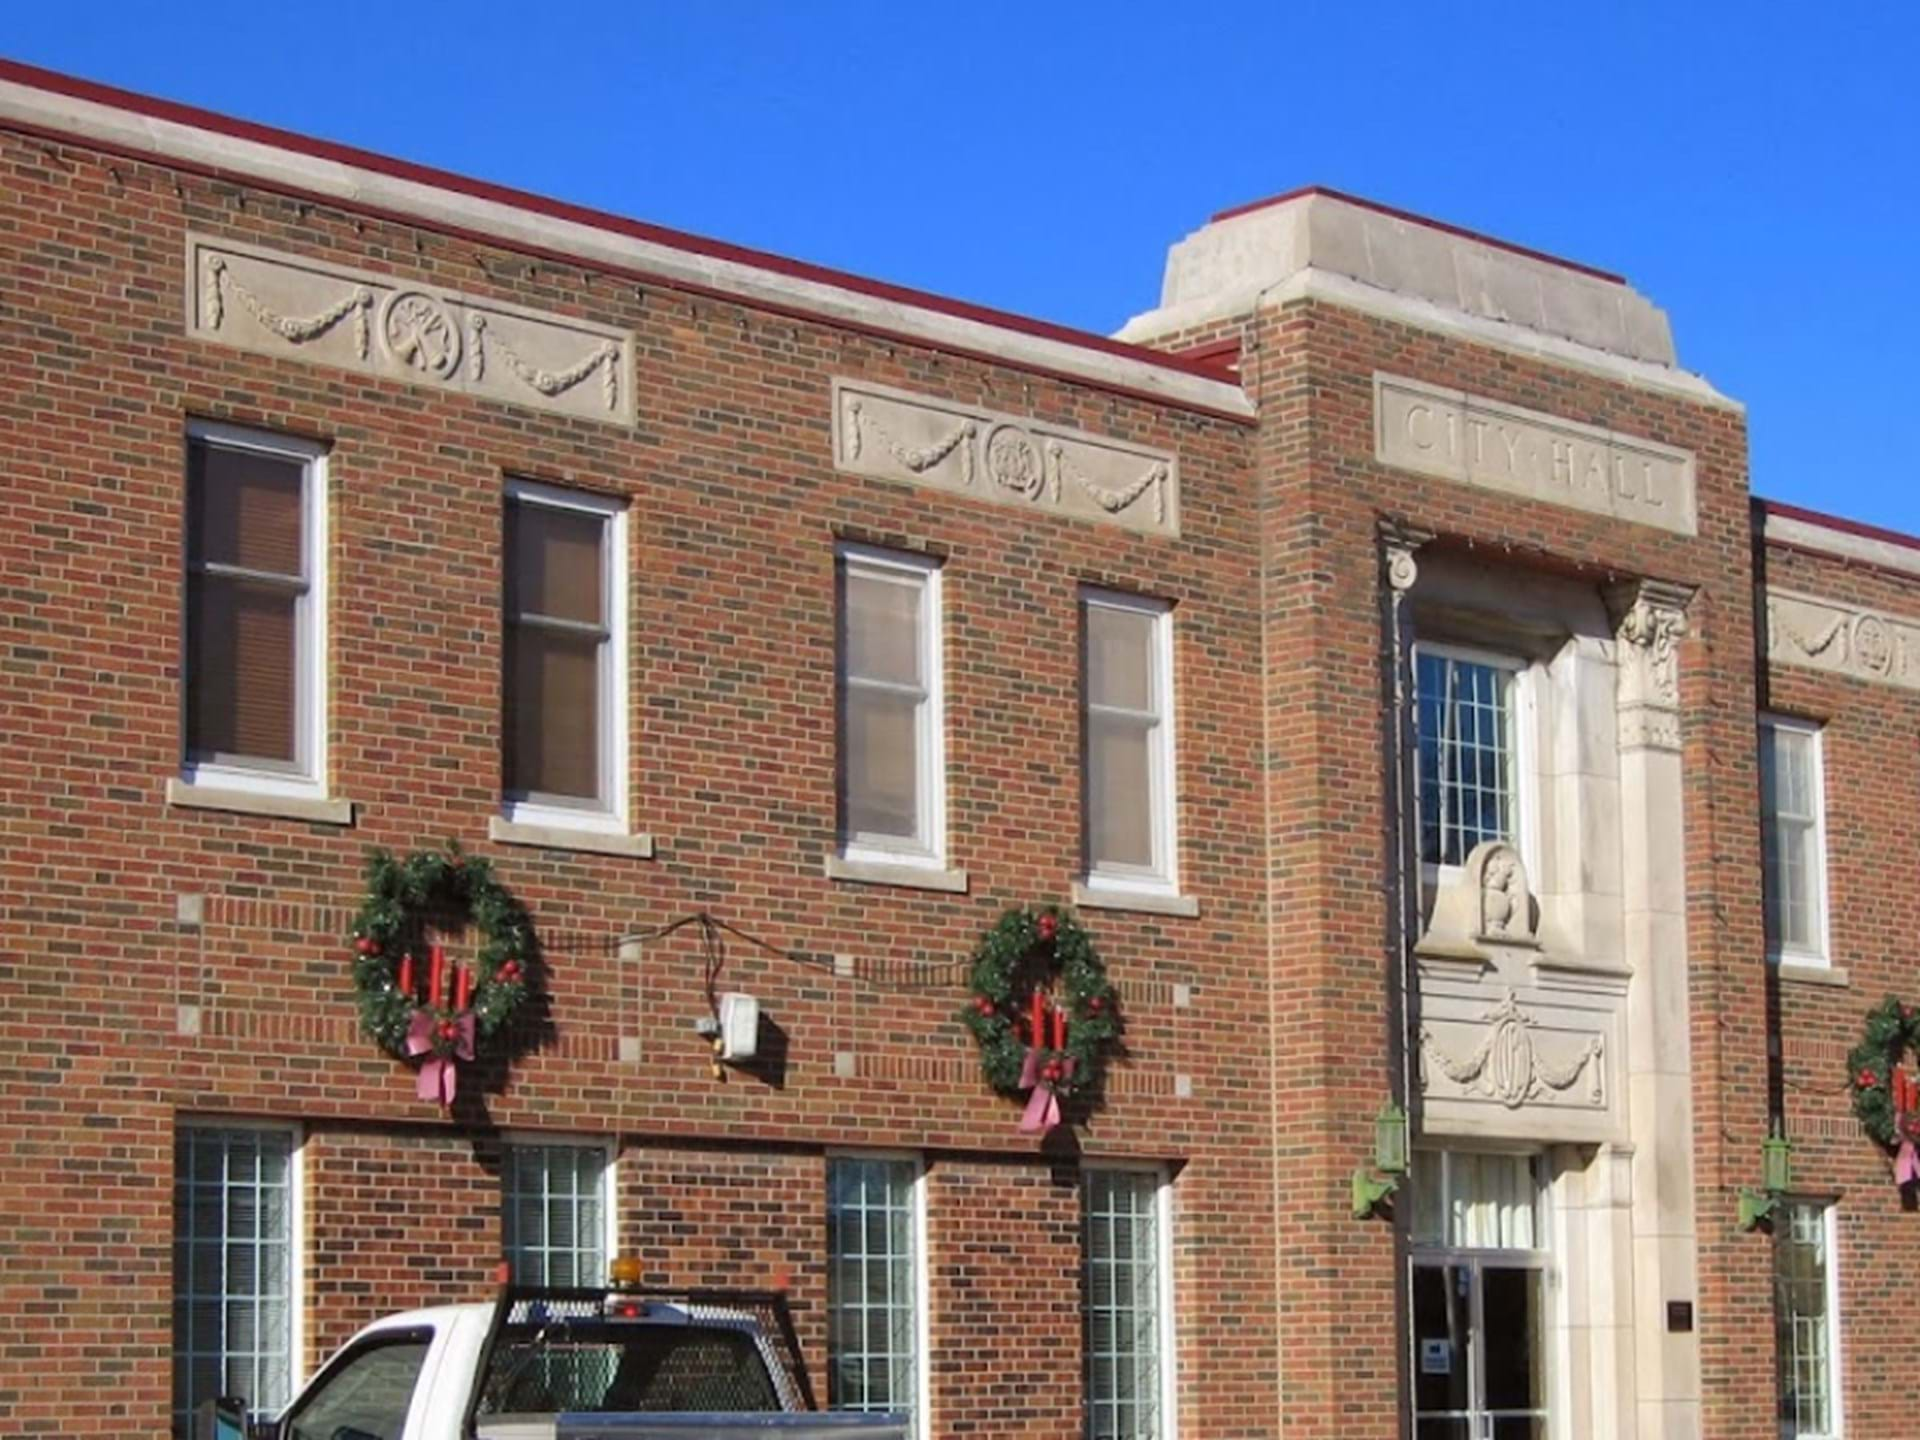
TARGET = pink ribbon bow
x,y
1906,1101
439,1076
1043,1105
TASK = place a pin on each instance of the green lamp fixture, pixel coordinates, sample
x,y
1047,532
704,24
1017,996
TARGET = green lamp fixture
x,y
1389,1159
1776,1178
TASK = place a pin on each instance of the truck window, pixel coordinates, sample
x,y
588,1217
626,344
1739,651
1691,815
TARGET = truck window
x,y
621,1369
364,1395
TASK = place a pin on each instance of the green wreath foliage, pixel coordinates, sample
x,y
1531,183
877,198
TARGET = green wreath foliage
x,y
401,895
1891,1031
1040,948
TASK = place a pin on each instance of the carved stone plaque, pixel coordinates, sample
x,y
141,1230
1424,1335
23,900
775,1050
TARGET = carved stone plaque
x,y
280,304
1536,456
1006,459
1842,639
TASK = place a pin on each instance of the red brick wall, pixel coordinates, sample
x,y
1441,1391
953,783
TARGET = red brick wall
x,y
735,509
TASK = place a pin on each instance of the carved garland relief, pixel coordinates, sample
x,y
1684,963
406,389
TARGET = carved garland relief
x,y
895,435
1842,639
1509,1066
357,320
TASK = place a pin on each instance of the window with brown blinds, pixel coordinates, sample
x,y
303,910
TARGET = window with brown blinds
x,y
251,702
558,689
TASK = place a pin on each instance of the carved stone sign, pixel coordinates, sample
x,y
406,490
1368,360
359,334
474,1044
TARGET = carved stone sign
x,y
1007,459
1844,639
1504,448
326,314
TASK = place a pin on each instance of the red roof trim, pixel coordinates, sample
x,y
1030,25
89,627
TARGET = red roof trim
x,y
1427,221
1836,522
133,102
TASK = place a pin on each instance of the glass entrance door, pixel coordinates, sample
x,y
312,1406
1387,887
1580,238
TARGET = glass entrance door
x,y
1478,1300
1477,1351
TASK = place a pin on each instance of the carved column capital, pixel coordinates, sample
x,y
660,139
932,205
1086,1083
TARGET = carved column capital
x,y
1650,617
1397,545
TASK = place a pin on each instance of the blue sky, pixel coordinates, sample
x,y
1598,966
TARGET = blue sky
x,y
1754,168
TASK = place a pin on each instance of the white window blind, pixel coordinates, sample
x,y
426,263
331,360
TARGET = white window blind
x,y
873,1321
1128,736
1468,1201
233,1267
1790,782
890,744
553,1213
1126,1329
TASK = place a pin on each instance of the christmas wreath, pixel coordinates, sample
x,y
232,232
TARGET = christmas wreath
x,y
1036,971
414,1002
1886,1096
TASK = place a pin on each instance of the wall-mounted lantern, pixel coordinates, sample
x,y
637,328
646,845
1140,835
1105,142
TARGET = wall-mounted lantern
x,y
1389,1159
1776,1178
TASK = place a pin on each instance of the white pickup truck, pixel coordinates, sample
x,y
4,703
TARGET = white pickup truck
x,y
553,1364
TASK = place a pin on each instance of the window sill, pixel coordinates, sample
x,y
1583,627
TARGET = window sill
x,y
1812,972
563,837
885,872
316,810
1146,902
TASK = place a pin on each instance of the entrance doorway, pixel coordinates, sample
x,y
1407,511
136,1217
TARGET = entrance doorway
x,y
1478,1270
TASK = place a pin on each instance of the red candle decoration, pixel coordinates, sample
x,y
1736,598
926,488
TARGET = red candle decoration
x,y
406,976
463,988
437,986
1059,1029
1038,1022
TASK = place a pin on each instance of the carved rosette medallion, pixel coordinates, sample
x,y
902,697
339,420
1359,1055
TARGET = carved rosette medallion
x,y
1873,645
1013,460
419,334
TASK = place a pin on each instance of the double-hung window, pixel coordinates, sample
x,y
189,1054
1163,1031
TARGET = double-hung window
x,y
876,1307
1129,1305
556,1211
235,1191
255,672
892,780
1794,841
1806,1307
1127,742
564,691
1466,727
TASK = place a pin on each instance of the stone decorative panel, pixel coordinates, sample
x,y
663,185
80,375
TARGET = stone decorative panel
x,y
1008,459
1843,639
281,304
1536,456
1535,1063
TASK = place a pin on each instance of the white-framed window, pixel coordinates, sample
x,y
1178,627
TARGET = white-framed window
x,y
1470,734
877,1285
557,1222
1794,841
1806,1308
1127,1256
892,749
1127,740
254,623
564,652
236,1273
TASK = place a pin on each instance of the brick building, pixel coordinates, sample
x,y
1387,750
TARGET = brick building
x,y
1376,649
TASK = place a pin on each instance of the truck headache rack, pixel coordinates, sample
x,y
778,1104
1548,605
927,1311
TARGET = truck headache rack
x,y
638,1349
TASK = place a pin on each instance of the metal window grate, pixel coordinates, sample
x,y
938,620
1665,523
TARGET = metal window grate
x,y
553,1213
232,1268
1464,727
1123,1326
873,1320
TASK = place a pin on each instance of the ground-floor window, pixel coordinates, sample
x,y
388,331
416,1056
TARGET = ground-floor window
x,y
1128,1305
555,1211
234,1194
1477,1273
874,1260
1806,1318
